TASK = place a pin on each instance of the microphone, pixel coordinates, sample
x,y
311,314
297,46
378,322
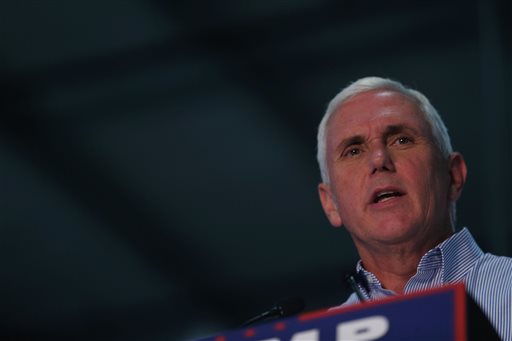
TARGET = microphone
x,y
353,279
284,308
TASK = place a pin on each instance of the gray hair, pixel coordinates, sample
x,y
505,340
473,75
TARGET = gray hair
x,y
439,130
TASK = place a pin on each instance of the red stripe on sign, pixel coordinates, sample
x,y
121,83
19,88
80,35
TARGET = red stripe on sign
x,y
355,307
250,332
279,326
460,314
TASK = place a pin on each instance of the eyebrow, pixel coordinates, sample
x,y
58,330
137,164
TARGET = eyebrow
x,y
399,128
395,129
350,141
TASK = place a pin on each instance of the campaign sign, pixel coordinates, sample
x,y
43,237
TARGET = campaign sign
x,y
437,314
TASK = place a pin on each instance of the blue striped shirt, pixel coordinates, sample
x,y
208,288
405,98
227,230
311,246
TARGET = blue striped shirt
x,y
487,278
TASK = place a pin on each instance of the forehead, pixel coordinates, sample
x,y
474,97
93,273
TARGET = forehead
x,y
372,110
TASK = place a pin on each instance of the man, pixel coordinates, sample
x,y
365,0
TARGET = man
x,y
391,178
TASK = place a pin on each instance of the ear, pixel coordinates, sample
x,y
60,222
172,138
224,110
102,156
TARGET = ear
x,y
329,205
458,172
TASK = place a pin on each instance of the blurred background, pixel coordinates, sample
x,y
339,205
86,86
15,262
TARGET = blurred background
x,y
158,157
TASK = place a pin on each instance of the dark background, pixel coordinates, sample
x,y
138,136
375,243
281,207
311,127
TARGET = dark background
x,y
158,157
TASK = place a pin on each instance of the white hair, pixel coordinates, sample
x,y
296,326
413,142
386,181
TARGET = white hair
x,y
439,130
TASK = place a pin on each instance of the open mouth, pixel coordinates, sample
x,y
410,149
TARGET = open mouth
x,y
385,196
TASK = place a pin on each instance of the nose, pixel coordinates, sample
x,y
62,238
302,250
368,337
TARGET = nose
x,y
381,160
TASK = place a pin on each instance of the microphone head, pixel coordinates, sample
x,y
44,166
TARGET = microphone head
x,y
290,306
284,308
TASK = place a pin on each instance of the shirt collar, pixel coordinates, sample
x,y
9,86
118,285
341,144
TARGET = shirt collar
x,y
455,256
459,254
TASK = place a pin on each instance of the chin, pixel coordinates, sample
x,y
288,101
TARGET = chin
x,y
394,233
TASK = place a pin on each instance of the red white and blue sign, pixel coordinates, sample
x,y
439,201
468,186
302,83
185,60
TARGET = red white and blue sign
x,y
437,314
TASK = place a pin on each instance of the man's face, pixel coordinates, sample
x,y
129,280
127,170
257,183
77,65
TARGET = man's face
x,y
388,180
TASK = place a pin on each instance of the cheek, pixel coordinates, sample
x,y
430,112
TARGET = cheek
x,y
349,192
433,184
349,199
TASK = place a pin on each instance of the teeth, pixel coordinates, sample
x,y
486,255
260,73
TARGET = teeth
x,y
384,196
385,199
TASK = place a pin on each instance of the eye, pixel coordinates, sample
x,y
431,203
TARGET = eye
x,y
353,151
403,140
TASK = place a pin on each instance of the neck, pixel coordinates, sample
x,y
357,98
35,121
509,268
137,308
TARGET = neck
x,y
394,265
393,271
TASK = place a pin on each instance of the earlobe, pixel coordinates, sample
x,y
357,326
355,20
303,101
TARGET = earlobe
x,y
329,205
458,173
